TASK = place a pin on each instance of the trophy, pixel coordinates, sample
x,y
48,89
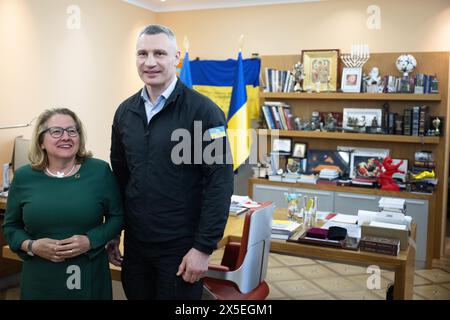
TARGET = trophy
x,y
436,124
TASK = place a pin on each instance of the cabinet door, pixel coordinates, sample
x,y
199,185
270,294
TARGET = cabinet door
x,y
418,210
350,203
325,199
275,194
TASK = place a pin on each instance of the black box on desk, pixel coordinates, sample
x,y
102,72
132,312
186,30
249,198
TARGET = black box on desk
x,y
375,231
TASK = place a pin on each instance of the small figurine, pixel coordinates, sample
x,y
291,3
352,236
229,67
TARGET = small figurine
x,y
385,178
373,80
375,122
330,123
299,74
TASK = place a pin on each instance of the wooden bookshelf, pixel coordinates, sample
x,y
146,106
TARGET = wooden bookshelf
x,y
350,136
351,96
400,146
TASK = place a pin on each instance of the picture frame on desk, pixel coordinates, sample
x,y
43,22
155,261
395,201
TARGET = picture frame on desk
x,y
351,80
321,66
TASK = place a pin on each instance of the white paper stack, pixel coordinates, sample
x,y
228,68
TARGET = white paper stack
x,y
328,174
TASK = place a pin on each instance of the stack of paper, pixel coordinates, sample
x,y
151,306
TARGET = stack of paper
x,y
328,174
392,204
283,229
240,204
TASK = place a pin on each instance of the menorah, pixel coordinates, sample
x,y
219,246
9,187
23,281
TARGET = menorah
x,y
358,56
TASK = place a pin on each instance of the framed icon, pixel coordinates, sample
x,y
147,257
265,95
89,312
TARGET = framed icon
x,y
321,66
299,150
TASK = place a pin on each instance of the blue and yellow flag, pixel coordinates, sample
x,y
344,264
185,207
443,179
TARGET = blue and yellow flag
x,y
238,118
215,78
185,74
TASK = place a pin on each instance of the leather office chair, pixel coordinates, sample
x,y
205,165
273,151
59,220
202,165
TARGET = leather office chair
x,y
241,274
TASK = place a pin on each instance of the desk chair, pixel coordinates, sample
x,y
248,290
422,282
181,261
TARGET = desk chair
x,y
241,274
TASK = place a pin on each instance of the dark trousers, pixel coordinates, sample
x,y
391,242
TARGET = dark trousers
x,y
149,271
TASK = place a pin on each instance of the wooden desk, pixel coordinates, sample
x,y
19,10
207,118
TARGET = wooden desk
x,y
7,266
402,265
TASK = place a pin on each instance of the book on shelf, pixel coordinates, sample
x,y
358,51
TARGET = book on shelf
x,y
308,178
278,80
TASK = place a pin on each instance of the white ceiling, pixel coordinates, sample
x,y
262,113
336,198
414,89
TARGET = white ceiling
x,y
184,5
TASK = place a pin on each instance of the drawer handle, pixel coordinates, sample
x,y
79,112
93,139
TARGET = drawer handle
x,y
315,192
356,197
271,188
415,202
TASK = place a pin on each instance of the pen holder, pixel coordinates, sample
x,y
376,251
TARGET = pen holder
x,y
292,200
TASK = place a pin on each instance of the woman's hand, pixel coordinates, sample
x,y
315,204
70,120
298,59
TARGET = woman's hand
x,y
73,246
47,248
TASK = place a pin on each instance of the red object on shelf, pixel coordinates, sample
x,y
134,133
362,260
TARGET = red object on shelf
x,y
385,179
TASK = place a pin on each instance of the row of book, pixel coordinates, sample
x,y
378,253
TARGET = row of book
x,y
278,115
415,121
419,84
279,80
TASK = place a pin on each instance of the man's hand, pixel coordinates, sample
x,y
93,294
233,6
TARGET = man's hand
x,y
194,266
114,255
73,246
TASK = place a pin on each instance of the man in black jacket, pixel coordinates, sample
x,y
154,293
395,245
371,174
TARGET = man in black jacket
x,y
176,199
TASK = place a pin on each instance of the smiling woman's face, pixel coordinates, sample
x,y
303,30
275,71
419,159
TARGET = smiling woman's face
x,y
64,147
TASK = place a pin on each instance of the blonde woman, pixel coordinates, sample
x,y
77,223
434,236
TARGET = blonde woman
x,y
61,211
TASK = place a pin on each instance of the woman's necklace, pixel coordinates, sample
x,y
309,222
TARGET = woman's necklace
x,y
59,174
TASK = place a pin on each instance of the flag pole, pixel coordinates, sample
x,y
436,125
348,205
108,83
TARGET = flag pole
x,y
186,44
241,42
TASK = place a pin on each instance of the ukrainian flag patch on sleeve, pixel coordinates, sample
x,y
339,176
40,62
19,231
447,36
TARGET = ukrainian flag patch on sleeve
x,y
217,132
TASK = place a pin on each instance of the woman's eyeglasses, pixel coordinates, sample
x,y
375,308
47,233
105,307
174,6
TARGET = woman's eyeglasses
x,y
57,132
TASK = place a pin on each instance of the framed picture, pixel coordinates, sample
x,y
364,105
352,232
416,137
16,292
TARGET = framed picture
x,y
320,66
358,119
293,165
403,167
367,163
299,150
351,80
282,146
327,159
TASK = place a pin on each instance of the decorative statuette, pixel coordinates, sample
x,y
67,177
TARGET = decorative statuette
x,y
436,124
299,74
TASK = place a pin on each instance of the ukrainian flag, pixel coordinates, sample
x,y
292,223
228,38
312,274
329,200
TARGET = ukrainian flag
x,y
238,118
185,74
215,78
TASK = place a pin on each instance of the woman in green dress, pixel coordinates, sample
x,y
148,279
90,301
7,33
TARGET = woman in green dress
x,y
61,211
